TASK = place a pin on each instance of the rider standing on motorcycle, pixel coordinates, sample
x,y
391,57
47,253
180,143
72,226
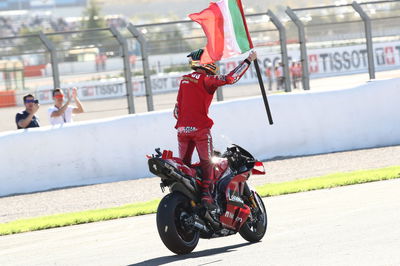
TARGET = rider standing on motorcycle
x,y
195,94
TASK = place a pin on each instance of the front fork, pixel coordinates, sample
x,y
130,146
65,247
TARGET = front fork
x,y
250,196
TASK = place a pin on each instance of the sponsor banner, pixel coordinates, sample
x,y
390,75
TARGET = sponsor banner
x,y
86,90
331,61
159,84
322,62
352,59
116,88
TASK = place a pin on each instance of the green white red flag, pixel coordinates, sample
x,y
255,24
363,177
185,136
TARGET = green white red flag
x,y
226,30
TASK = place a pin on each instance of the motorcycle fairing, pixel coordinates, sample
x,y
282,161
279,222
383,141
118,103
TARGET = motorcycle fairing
x,y
220,167
236,212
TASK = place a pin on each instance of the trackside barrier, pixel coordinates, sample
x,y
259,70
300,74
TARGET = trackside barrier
x,y
7,98
110,150
305,79
283,43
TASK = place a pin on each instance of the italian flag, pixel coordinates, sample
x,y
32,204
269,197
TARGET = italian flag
x,y
226,30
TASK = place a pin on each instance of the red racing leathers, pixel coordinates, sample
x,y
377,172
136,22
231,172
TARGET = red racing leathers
x,y
195,95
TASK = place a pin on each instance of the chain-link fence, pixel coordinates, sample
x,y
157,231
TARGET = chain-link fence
x,y
351,38
138,68
91,60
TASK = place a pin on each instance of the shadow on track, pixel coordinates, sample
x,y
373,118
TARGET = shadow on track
x,y
208,252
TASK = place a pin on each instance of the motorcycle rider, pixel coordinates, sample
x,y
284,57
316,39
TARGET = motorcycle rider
x,y
193,125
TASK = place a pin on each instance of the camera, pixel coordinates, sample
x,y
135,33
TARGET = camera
x,y
36,101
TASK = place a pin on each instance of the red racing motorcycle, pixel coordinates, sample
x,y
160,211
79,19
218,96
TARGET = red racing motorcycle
x,y
182,220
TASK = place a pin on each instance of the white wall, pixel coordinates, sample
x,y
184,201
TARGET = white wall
x,y
114,149
315,122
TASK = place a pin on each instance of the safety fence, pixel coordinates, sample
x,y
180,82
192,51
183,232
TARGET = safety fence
x,y
126,70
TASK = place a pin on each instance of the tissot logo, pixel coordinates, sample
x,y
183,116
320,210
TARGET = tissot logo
x,y
313,63
389,55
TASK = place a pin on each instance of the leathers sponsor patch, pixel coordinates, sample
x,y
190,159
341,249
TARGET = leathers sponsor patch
x,y
190,79
187,129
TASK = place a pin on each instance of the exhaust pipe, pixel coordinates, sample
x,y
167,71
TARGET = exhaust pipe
x,y
200,226
182,179
214,223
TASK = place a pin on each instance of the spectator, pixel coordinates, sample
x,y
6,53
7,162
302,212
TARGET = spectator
x,y
279,76
11,25
27,118
61,113
293,74
103,61
299,72
268,73
132,60
98,62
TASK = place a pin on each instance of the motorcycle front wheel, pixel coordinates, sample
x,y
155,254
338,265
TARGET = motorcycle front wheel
x,y
254,229
174,208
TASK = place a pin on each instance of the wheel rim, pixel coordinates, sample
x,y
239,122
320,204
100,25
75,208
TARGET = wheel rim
x,y
259,222
184,233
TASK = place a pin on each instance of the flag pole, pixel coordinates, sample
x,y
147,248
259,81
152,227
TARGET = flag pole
x,y
260,81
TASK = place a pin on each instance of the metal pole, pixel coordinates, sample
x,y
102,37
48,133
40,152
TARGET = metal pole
x,y
220,94
146,72
368,37
53,58
282,40
305,79
264,94
127,68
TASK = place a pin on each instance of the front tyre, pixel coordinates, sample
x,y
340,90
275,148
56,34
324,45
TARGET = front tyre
x,y
254,229
174,208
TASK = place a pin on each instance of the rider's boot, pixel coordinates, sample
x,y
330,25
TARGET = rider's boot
x,y
207,201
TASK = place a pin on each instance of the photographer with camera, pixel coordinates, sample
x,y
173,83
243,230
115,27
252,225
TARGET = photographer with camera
x,y
61,113
27,118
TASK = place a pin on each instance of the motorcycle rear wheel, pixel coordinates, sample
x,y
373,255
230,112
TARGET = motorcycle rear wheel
x,y
170,214
254,231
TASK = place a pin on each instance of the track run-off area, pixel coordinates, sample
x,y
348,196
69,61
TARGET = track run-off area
x,y
352,225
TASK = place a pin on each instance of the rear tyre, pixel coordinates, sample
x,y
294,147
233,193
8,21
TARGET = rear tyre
x,y
174,208
254,230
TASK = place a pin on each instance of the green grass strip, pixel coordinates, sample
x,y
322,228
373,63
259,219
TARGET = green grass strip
x,y
329,181
59,220
273,189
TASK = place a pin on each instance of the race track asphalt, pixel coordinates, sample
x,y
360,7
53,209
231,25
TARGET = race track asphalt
x,y
125,192
352,225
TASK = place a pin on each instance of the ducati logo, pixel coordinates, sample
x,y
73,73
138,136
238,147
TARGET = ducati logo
x,y
235,198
